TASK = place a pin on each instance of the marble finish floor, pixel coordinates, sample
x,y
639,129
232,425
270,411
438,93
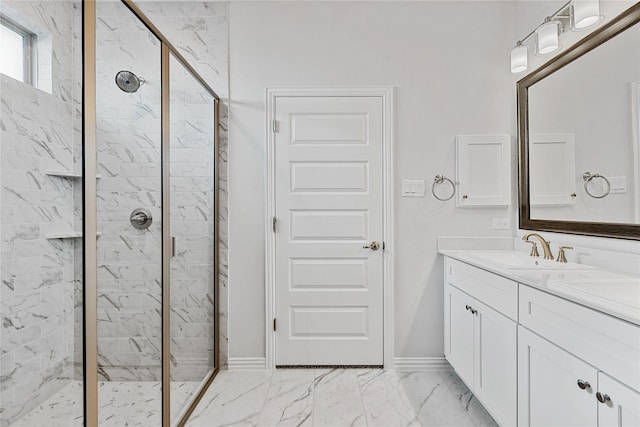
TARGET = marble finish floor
x,y
120,404
337,398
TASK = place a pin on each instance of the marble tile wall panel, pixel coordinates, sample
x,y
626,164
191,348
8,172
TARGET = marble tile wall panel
x,y
39,132
128,140
199,30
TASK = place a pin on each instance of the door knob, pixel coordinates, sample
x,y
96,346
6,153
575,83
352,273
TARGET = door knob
x,y
603,398
374,246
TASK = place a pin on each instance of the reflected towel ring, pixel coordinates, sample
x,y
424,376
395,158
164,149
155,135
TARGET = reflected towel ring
x,y
439,179
588,177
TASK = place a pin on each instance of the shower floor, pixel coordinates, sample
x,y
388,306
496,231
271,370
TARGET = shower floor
x,y
120,404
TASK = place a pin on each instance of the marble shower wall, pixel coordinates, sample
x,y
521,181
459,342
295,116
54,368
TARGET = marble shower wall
x,y
40,132
128,141
129,161
199,30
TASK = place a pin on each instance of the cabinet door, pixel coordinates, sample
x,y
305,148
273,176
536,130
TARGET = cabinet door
x,y
495,382
483,170
548,391
623,407
458,325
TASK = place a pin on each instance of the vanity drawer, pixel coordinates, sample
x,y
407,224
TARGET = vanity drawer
x,y
610,344
497,292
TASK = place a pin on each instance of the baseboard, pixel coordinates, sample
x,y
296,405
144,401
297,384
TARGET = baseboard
x,y
247,364
421,364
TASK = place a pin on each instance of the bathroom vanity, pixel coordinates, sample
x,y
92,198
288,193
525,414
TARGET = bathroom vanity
x,y
538,343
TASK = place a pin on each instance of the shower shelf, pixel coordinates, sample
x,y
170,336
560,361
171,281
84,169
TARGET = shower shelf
x,y
70,175
68,235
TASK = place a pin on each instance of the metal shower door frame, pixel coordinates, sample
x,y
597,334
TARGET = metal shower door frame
x,y
90,229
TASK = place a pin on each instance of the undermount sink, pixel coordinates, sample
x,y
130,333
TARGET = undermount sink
x,y
521,261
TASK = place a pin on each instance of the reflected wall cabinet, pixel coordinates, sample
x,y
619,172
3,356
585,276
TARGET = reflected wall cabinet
x,y
483,170
552,169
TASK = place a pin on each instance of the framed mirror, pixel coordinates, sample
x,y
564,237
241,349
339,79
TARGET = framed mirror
x,y
579,133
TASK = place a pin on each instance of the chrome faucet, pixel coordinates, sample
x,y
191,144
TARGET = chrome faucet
x,y
544,243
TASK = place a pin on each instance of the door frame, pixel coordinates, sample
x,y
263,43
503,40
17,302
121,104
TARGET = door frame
x,y
386,93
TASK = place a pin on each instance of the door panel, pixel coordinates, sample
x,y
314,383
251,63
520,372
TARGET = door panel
x,y
459,333
495,381
548,393
623,408
329,203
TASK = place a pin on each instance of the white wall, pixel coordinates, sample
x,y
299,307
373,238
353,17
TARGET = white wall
x,y
449,64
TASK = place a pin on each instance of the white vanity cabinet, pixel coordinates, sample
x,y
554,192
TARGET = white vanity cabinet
x,y
533,358
480,342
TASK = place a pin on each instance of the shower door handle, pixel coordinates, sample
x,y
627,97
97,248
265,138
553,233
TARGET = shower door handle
x,y
173,246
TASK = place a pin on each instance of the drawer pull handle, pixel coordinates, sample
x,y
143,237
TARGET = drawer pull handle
x,y
583,385
603,398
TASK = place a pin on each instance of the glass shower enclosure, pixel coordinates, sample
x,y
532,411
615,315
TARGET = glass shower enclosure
x,y
109,237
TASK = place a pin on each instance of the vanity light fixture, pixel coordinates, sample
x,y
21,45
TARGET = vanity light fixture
x,y
574,14
519,58
586,13
548,37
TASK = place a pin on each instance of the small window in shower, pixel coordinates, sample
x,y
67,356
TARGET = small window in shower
x,y
16,55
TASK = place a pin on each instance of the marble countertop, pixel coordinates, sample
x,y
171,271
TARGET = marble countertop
x,y
610,293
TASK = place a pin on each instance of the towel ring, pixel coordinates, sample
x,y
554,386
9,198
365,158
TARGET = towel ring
x,y
439,179
588,177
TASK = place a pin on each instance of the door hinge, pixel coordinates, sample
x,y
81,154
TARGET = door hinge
x,y
274,126
273,224
274,324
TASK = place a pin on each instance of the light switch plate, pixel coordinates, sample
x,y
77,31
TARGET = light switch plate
x,y
412,188
618,184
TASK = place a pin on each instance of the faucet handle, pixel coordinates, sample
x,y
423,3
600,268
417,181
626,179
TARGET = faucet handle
x,y
561,255
534,248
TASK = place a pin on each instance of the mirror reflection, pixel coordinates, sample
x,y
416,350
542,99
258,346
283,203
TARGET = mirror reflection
x,y
584,130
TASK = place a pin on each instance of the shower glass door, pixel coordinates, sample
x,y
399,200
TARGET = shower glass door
x,y
192,183
129,218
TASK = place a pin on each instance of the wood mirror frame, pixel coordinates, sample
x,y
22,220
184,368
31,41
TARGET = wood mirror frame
x,y
616,26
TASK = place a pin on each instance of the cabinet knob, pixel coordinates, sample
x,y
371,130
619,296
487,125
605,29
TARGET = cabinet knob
x,y
583,385
603,398
465,196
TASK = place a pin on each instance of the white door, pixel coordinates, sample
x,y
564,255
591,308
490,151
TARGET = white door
x,y
495,372
619,405
459,332
555,388
329,204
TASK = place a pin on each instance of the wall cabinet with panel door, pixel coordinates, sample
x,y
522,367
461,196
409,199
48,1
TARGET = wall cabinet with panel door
x,y
480,344
483,170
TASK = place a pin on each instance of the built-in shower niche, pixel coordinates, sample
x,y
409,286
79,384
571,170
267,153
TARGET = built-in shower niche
x,y
41,292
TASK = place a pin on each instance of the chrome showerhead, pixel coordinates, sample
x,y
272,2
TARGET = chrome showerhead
x,y
128,82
